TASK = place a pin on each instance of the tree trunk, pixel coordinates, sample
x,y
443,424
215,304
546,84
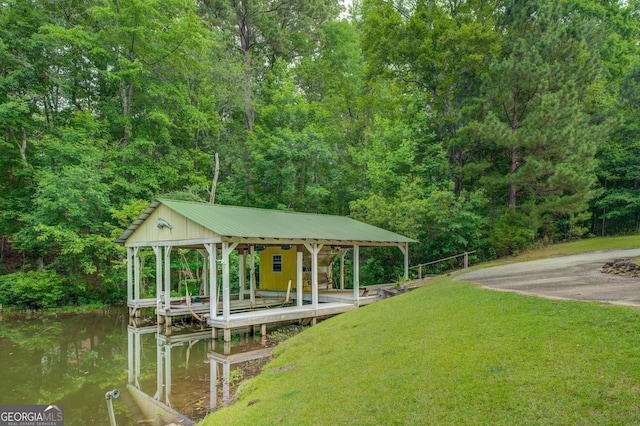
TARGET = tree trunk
x,y
245,33
23,147
126,94
513,153
214,183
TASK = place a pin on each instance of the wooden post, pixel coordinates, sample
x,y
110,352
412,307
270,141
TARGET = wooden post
x,y
213,282
157,250
213,384
299,275
167,281
138,358
252,275
136,274
356,274
160,378
227,248
167,374
158,253
204,287
242,274
130,369
420,271
466,260
342,270
263,334
129,274
226,375
405,250
314,249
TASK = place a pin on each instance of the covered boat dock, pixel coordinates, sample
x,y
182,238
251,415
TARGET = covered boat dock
x,y
296,252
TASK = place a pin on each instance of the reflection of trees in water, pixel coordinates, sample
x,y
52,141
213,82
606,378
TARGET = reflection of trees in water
x,y
63,359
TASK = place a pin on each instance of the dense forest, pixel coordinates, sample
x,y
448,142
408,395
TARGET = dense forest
x,y
487,125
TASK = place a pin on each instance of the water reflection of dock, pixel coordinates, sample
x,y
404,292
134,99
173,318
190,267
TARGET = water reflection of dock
x,y
193,374
220,364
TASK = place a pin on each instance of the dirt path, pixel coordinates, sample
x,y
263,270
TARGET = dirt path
x,y
569,277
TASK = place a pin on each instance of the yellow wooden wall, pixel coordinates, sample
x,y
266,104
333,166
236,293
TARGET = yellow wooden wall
x,y
270,280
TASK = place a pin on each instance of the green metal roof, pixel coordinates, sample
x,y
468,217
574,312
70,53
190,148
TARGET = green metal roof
x,y
244,222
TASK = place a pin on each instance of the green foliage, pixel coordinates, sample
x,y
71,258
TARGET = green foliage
x,y
537,115
511,234
33,290
423,117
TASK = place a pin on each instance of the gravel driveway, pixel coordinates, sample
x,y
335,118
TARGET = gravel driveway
x,y
569,277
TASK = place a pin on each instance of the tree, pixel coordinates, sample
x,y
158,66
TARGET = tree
x,y
440,49
258,35
619,170
617,210
536,117
67,224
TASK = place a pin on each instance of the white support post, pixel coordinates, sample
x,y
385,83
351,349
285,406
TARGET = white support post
x,y
299,276
356,274
129,274
226,377
227,248
136,274
242,274
405,251
167,281
314,249
159,370
138,361
252,275
213,384
130,369
213,279
158,252
342,270
167,374
204,288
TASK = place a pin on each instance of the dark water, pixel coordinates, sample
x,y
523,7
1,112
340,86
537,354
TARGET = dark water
x,y
74,360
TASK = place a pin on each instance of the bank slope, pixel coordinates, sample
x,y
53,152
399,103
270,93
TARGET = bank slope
x,y
451,353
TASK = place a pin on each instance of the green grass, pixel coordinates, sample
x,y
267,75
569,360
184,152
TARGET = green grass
x,y
451,353
582,246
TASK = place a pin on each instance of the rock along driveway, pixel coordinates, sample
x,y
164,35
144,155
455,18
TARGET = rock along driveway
x,y
575,277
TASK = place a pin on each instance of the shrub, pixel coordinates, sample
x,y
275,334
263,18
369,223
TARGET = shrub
x,y
32,290
511,233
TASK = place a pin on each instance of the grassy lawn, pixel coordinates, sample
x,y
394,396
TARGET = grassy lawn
x,y
451,353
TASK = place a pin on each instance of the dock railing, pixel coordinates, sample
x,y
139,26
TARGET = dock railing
x,y
464,256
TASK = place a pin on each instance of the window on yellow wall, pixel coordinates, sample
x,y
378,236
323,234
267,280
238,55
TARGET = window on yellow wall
x,y
276,263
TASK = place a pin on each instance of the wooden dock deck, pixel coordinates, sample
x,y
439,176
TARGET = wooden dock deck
x,y
180,307
271,307
290,313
